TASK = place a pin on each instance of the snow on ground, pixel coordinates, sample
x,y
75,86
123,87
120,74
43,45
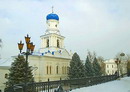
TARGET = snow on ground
x,y
122,85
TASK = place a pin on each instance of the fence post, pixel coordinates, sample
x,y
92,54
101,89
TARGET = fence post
x,y
48,84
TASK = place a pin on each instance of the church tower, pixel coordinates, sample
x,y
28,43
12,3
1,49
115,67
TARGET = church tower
x,y
52,40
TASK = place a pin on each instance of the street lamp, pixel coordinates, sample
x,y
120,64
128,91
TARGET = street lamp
x,y
118,61
29,50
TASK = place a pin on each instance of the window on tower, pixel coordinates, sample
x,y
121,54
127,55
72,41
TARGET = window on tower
x,y
58,44
47,43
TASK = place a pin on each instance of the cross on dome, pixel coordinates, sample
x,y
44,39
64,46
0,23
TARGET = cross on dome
x,y
52,9
52,15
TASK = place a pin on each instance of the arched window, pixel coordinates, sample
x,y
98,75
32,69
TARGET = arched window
x,y
108,71
112,71
6,75
58,44
112,66
50,69
47,69
107,66
63,70
57,69
67,69
47,43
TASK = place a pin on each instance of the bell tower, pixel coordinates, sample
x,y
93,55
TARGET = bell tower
x,y
52,40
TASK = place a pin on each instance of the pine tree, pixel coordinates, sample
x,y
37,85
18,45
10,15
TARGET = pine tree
x,y
76,69
17,73
88,68
96,67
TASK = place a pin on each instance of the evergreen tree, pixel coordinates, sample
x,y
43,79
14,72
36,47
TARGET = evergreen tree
x,y
17,73
96,67
88,68
76,69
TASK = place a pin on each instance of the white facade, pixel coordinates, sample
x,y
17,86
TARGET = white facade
x,y
3,71
111,67
52,60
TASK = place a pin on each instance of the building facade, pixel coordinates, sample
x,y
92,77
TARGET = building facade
x,y
4,70
52,60
111,67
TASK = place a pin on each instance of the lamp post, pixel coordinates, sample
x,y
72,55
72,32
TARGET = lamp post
x,y
118,61
29,50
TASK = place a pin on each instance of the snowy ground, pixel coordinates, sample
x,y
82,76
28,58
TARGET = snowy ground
x,y
122,85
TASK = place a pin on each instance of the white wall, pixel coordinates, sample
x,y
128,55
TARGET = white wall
x,y
3,71
41,62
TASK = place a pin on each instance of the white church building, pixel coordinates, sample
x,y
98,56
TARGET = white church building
x,y
52,60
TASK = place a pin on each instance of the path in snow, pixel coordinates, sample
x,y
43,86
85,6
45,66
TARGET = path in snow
x,y
122,85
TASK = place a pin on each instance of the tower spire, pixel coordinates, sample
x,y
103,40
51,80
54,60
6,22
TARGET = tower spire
x,y
52,9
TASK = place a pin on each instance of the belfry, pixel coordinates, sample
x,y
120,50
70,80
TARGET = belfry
x,y
52,40
53,60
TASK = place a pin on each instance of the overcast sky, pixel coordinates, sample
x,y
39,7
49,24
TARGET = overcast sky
x,y
102,26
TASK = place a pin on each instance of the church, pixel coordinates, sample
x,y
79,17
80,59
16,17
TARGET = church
x,y
52,61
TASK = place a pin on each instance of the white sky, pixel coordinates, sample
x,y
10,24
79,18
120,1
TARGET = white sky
x,y
102,26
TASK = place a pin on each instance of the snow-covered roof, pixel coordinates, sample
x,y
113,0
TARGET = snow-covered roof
x,y
63,53
110,61
4,67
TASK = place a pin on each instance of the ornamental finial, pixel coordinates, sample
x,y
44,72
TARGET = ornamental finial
x,y
52,9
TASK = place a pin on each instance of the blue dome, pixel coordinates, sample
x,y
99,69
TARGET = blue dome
x,y
52,16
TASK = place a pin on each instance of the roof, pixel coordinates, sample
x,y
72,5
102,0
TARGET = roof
x,y
110,61
5,67
52,16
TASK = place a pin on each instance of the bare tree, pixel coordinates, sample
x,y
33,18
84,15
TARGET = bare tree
x,y
91,56
102,64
